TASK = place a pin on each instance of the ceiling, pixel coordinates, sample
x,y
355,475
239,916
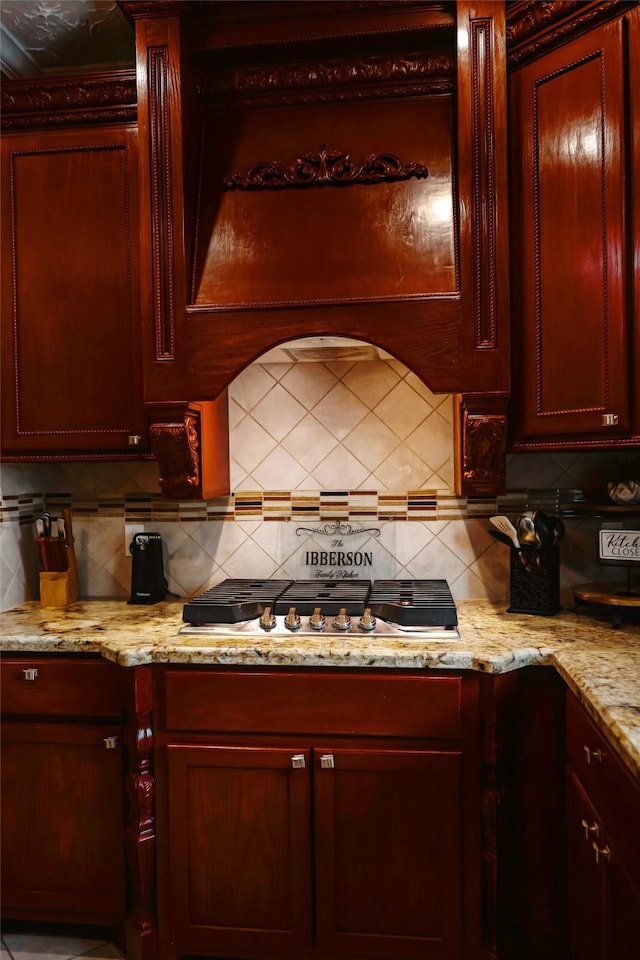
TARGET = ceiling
x,y
47,37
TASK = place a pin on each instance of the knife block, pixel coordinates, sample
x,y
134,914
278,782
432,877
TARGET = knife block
x,y
57,589
60,588
535,581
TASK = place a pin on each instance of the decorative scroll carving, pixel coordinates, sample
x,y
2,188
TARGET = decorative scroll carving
x,y
485,443
481,444
38,103
334,167
484,196
351,73
162,245
176,447
140,829
532,25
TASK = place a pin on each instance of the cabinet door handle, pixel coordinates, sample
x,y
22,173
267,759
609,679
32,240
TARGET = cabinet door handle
x,y
610,419
593,755
327,761
30,674
590,830
603,852
298,760
134,439
110,743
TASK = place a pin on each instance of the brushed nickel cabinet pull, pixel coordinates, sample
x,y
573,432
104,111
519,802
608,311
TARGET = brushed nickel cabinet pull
x,y
30,674
327,761
590,829
134,439
593,755
298,760
110,743
603,852
610,419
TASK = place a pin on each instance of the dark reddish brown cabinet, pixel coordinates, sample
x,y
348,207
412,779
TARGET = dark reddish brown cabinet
x,y
302,820
72,377
603,803
62,791
575,201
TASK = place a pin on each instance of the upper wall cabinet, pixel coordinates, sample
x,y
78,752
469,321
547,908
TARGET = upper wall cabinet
x,y
71,375
575,155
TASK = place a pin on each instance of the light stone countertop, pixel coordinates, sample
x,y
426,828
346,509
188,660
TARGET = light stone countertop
x,y
600,664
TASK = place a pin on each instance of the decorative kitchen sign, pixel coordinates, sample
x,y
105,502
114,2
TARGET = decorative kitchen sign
x,y
338,558
622,546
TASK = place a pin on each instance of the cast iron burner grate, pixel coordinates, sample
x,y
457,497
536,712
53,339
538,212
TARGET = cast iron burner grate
x,y
331,596
419,603
233,601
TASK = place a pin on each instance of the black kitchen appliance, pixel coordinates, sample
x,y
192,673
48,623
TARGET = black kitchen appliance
x,y
412,609
148,584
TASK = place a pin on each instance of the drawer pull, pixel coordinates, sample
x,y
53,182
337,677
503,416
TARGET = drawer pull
x,y
595,755
592,830
110,743
298,760
327,761
610,419
603,852
30,674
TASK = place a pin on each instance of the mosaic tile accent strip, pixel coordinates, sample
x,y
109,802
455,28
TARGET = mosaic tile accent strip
x,y
286,505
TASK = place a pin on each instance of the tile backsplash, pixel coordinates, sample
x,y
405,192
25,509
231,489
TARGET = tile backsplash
x,y
363,445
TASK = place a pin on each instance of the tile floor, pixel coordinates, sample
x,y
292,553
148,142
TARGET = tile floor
x,y
31,946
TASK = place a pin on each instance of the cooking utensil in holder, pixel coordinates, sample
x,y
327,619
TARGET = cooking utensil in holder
x,y
535,581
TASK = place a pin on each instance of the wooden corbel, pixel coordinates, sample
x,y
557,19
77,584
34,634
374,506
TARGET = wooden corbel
x,y
191,443
480,444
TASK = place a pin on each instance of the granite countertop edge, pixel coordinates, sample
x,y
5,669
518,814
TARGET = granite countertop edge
x,y
601,665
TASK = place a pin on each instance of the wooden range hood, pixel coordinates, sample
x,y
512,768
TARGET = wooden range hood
x,y
322,169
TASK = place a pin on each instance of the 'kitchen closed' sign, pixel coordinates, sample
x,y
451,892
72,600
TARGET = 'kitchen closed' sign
x,y
621,545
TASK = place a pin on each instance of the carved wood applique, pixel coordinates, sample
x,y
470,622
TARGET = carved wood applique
x,y
326,167
140,829
175,445
481,439
69,101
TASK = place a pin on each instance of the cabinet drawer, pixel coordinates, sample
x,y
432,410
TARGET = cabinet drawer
x,y
610,787
60,687
319,703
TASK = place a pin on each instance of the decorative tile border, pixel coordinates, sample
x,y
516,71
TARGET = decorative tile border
x,y
283,505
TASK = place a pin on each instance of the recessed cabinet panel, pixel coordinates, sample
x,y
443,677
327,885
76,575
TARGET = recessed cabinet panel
x,y
322,238
388,829
570,303
240,848
71,291
62,822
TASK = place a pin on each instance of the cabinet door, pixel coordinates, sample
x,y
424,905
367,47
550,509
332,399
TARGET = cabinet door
x,y
586,877
572,314
62,823
239,836
624,906
70,291
389,853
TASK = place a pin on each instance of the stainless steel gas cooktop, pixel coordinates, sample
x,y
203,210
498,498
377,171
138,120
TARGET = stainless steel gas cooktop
x,y
408,609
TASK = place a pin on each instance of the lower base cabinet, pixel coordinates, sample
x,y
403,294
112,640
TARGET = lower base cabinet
x,y
604,846
62,791
323,841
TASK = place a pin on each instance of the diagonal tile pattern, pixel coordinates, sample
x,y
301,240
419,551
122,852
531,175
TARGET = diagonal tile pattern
x,y
31,946
367,442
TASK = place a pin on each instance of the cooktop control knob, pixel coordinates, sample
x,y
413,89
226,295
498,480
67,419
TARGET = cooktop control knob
x,y
342,621
316,620
292,621
267,620
367,621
